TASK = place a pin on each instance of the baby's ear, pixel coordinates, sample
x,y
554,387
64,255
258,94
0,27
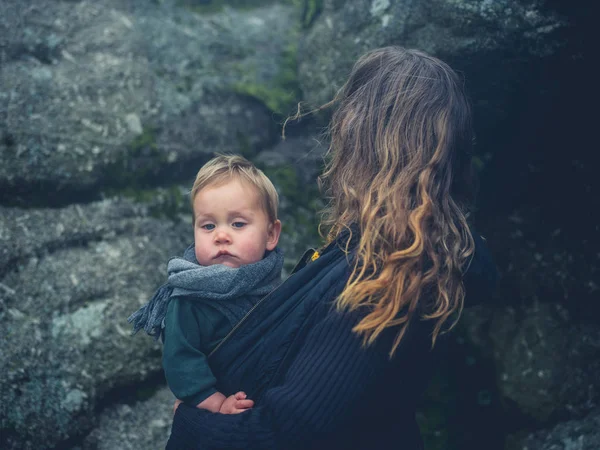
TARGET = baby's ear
x,y
273,237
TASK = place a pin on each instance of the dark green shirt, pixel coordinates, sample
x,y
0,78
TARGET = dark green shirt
x,y
192,330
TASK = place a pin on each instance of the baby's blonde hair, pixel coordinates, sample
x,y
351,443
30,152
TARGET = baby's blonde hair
x,y
223,168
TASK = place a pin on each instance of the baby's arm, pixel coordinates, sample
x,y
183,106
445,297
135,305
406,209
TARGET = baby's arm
x,y
186,367
217,402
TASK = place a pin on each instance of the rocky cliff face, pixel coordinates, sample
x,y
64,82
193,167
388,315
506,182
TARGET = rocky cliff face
x,y
107,110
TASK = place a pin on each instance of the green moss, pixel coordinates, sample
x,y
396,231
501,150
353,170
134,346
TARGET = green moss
x,y
244,145
298,212
185,85
275,98
286,179
131,177
309,10
480,162
140,160
146,140
203,7
283,92
432,417
163,203
314,8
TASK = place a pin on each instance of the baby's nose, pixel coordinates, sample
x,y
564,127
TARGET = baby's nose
x,y
222,236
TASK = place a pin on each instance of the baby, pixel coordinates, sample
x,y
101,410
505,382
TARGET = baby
x,y
233,263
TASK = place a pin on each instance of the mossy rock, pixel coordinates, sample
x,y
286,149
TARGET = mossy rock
x,y
169,202
215,6
282,93
299,212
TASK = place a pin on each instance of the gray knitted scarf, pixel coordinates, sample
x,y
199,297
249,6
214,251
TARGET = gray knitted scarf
x,y
187,278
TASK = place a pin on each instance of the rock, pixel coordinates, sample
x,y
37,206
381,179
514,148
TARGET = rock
x,y
506,33
28,233
577,434
142,425
63,307
293,165
546,364
100,94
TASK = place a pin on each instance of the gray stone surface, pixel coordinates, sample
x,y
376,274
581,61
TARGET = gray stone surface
x,y
577,434
546,364
294,165
490,36
143,425
26,233
97,93
63,309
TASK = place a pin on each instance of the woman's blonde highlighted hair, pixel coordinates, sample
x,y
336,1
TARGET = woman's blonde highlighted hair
x,y
399,166
224,168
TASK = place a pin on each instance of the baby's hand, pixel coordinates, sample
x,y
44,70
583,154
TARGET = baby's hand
x,y
177,403
235,404
213,403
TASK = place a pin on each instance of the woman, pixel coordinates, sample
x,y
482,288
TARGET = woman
x,y
400,259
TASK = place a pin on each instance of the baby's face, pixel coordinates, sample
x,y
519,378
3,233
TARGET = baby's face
x,y
231,226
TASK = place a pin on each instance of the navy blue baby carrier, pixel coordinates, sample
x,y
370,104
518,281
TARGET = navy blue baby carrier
x,y
259,349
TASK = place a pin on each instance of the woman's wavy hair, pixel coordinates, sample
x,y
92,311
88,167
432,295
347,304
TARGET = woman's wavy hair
x,y
399,167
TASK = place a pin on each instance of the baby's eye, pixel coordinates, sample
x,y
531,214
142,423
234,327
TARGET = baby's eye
x,y
208,226
238,224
